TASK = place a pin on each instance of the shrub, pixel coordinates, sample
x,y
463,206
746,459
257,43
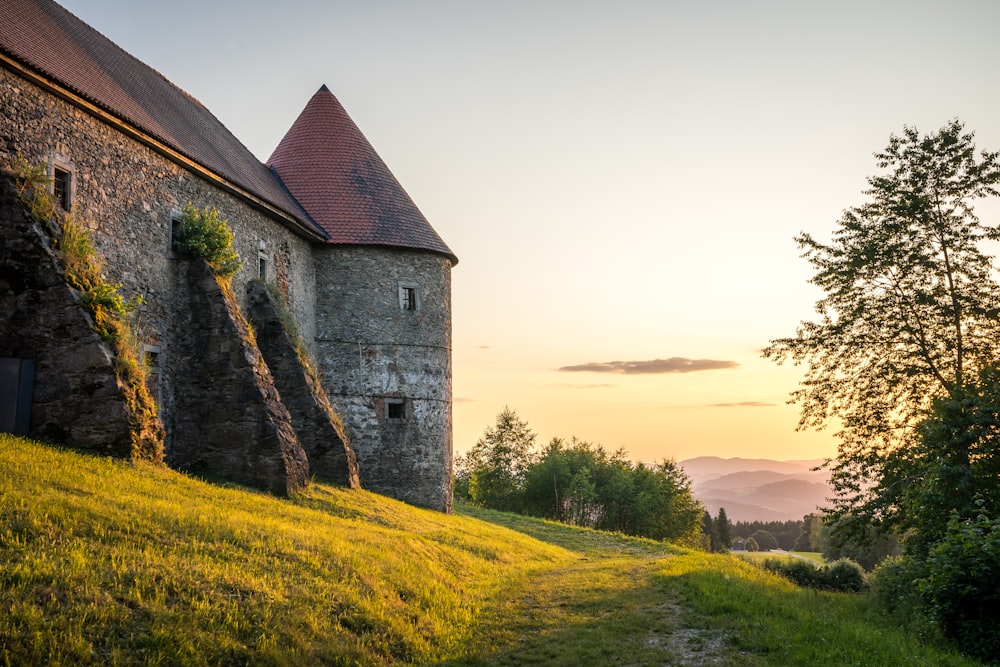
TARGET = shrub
x,y
799,572
894,590
961,584
844,575
205,235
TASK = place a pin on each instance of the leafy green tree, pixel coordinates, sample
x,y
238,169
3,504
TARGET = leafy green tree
x,y
751,545
810,539
764,540
665,508
955,465
499,461
583,506
724,529
911,313
962,584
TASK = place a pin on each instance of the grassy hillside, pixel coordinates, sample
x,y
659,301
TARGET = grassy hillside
x,y
105,562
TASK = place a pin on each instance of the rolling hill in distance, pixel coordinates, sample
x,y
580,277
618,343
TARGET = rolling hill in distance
x,y
758,489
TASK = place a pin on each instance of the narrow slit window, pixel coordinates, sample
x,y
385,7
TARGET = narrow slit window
x,y
62,187
262,261
409,297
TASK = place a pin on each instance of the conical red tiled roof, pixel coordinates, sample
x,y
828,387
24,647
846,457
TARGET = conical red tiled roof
x,y
344,186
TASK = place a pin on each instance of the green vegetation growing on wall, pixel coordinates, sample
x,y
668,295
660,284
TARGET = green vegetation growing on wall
x,y
114,317
205,235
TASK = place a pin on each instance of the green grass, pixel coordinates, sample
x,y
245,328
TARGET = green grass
x,y
814,556
106,562
760,556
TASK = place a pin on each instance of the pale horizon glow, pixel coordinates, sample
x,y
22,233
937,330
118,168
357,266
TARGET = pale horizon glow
x,y
620,181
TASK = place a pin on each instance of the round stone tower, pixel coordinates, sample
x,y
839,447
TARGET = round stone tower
x,y
383,305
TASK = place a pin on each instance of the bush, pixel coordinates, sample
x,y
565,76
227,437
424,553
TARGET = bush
x,y
205,235
844,575
961,585
799,572
894,590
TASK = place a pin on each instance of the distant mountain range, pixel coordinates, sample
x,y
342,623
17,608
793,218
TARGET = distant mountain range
x,y
758,489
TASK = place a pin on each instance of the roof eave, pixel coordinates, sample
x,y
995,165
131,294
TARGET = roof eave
x,y
303,228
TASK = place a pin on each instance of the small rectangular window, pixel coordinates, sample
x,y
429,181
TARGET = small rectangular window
x,y
262,266
176,221
409,297
62,187
395,409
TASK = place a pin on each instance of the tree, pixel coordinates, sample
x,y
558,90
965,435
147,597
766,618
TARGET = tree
x,y
710,532
764,540
911,313
954,468
724,530
810,539
498,462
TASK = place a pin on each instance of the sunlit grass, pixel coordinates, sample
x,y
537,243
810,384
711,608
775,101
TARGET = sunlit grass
x,y
775,622
761,556
107,562
104,562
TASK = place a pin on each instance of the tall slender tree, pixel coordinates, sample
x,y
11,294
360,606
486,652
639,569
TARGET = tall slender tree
x,y
724,529
911,313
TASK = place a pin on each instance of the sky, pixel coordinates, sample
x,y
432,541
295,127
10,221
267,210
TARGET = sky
x,y
621,181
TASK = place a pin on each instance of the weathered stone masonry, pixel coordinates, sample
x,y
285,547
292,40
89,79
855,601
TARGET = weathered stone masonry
x,y
325,221
42,321
371,351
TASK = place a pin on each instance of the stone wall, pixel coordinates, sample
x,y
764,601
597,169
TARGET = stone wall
x,y
43,321
125,193
372,353
230,422
319,429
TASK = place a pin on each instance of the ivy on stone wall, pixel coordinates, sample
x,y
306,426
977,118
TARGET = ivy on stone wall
x,y
205,235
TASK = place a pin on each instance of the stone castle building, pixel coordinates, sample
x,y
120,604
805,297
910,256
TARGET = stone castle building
x,y
323,221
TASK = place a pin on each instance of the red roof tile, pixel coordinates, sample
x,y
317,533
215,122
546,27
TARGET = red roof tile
x,y
346,188
51,41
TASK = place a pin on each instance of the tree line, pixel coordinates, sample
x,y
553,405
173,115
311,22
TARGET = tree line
x,y
578,483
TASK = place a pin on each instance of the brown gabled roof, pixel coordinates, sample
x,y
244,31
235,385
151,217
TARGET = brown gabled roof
x,y
50,41
346,188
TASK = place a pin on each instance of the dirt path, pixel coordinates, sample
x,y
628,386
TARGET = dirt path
x,y
602,612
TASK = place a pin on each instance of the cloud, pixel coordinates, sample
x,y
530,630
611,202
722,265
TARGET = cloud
x,y
744,404
671,365
586,386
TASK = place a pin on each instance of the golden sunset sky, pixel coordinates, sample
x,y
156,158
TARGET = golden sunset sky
x,y
620,180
